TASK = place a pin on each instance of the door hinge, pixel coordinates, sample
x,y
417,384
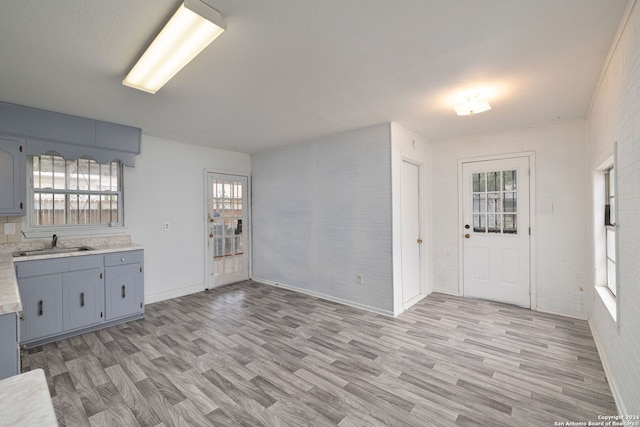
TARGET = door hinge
x,y
529,231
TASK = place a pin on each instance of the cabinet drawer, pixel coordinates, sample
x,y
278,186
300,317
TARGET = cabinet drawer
x,y
84,262
41,267
120,258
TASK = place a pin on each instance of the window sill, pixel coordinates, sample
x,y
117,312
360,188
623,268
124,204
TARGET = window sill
x,y
40,233
609,301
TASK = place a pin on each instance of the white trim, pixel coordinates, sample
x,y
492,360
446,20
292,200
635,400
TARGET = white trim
x,y
606,365
174,293
422,225
557,313
531,155
446,292
388,313
246,227
609,301
413,301
70,230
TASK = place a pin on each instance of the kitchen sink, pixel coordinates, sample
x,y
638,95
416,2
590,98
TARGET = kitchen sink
x,y
52,251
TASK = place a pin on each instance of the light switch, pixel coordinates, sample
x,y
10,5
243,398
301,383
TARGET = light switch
x,y
9,228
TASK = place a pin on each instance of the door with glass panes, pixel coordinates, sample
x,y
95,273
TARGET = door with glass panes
x,y
226,225
495,230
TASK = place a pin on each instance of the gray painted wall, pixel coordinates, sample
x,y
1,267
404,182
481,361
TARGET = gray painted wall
x,y
322,215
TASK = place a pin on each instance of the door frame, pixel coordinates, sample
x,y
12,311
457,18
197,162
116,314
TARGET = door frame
x,y
531,155
205,222
422,228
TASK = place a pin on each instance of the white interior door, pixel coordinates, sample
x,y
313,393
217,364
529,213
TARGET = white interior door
x,y
495,230
226,225
411,237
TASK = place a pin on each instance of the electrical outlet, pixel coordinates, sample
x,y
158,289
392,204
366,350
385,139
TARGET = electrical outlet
x,y
9,228
359,278
167,226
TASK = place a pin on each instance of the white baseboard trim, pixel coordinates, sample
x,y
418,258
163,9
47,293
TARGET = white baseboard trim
x,y
413,301
617,398
174,293
557,313
324,296
447,292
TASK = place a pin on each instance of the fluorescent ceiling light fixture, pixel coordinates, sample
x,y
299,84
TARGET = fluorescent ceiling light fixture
x,y
191,29
472,104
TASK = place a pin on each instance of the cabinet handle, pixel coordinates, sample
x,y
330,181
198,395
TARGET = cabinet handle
x,y
40,308
101,275
81,299
21,205
122,259
101,315
124,292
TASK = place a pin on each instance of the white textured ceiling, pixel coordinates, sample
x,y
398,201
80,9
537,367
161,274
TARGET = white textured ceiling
x,y
289,70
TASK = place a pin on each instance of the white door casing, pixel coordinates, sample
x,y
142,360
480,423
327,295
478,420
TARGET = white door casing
x,y
495,230
226,227
411,231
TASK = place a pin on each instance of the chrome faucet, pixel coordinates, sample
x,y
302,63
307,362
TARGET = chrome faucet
x,y
54,241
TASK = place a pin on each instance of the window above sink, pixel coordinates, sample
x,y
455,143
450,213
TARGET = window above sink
x,y
73,197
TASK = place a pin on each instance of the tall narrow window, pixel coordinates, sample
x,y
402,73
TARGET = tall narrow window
x,y
78,192
610,225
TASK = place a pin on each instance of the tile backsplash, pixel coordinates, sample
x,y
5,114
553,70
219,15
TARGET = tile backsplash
x,y
15,235
14,241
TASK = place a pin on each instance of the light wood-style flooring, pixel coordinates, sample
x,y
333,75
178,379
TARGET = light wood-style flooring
x,y
255,355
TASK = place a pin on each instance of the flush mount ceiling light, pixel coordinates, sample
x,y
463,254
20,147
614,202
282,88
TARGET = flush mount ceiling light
x,y
191,29
472,104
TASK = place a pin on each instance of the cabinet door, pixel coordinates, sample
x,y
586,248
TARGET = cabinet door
x,y
13,163
41,306
83,298
124,291
9,350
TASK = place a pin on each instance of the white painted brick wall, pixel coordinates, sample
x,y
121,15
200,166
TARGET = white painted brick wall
x,y
560,238
322,214
615,116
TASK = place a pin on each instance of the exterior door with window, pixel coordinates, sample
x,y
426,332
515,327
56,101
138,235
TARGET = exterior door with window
x,y
226,225
495,230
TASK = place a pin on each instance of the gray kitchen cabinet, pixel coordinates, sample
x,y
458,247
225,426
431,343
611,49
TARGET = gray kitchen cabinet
x,y
67,296
124,284
83,298
13,163
41,306
9,350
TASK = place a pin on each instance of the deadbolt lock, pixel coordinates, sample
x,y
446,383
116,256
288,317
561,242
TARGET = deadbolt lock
x,y
466,226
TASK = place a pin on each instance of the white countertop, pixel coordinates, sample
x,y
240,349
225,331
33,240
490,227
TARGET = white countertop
x,y
25,401
10,301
